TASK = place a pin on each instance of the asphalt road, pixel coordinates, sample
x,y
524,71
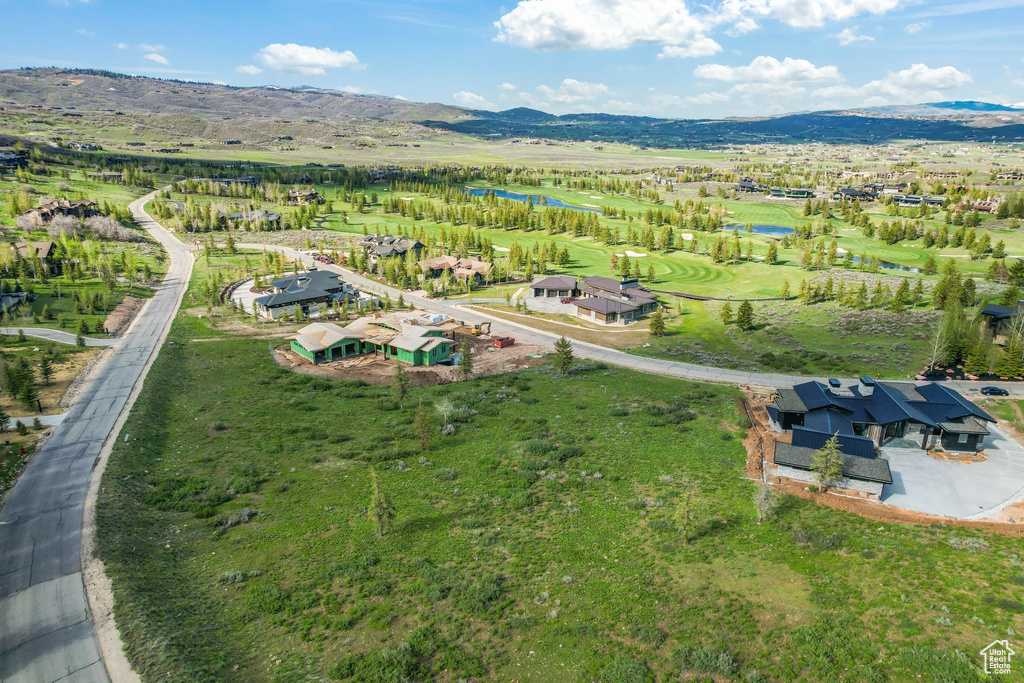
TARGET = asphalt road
x,y
59,336
546,340
46,630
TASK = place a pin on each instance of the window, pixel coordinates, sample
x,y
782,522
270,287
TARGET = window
x,y
961,438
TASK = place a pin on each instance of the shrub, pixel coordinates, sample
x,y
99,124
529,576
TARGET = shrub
x,y
649,634
521,500
231,578
217,426
623,669
566,452
446,474
706,660
242,485
538,447
266,598
818,540
1004,603
377,666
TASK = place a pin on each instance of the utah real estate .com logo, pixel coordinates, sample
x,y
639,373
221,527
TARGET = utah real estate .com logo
x,y
997,657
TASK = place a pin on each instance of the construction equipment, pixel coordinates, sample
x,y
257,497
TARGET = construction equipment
x,y
502,342
481,328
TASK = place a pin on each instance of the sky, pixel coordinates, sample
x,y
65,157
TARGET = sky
x,y
662,58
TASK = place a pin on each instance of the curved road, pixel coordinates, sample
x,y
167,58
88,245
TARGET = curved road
x,y
59,336
544,339
46,629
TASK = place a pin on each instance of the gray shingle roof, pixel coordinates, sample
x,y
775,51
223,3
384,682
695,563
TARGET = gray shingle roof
x,y
854,467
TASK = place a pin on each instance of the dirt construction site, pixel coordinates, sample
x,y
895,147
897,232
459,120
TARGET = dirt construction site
x,y
375,369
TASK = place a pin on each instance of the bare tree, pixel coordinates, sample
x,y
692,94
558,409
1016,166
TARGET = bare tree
x,y
765,501
939,344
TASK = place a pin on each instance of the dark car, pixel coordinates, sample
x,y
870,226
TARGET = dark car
x,y
994,391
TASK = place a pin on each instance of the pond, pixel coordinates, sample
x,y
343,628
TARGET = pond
x,y
780,231
538,199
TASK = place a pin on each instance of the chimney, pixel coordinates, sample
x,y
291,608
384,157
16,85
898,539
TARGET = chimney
x,y
867,386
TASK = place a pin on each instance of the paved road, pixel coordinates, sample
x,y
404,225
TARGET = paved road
x,y
544,339
46,630
59,336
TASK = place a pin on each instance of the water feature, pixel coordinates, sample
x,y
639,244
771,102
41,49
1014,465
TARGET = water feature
x,y
538,199
780,231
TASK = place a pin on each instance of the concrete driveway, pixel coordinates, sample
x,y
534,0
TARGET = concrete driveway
x,y
952,488
549,304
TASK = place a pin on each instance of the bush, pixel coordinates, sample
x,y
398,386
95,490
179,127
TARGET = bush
x,y
649,634
446,474
521,500
217,426
566,452
623,669
538,447
231,578
242,485
266,598
818,540
377,666
706,660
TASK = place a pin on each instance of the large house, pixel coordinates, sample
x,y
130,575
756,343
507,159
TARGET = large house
x,y
304,197
47,211
873,413
414,337
561,286
304,290
1000,318
461,268
608,301
382,246
866,416
256,217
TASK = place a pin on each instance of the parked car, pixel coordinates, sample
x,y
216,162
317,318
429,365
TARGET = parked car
x,y
566,300
994,391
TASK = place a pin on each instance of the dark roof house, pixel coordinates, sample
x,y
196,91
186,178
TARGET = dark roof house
x,y
304,289
607,301
382,246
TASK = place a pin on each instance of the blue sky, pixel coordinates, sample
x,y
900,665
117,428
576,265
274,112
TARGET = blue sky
x,y
676,58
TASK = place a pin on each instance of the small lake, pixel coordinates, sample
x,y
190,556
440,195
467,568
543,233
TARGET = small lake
x,y
538,199
780,231
773,230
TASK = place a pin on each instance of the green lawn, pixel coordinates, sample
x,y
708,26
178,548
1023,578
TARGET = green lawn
x,y
541,541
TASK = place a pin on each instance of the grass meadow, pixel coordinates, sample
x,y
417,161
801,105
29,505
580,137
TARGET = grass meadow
x,y
595,527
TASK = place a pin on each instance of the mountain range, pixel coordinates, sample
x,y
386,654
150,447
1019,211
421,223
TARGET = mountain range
x,y
102,92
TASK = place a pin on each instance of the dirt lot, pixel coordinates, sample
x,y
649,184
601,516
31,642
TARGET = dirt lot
x,y
121,317
487,360
1009,521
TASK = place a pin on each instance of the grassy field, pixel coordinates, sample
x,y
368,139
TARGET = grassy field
x,y
546,539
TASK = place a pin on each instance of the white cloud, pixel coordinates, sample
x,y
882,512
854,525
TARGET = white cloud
x,y
250,69
597,24
917,27
146,47
507,86
572,91
84,32
471,100
707,98
122,46
154,57
358,91
849,36
769,70
701,47
303,60
917,81
801,13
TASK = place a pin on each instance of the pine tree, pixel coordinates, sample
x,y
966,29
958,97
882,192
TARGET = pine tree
x,y
918,295
564,359
465,360
784,292
827,462
46,369
657,324
860,302
745,316
381,510
5,420
399,384
773,254
726,313
29,395
977,359
1010,364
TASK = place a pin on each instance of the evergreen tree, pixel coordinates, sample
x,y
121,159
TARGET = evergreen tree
x,y
773,254
657,324
977,359
784,292
745,316
465,360
726,313
29,395
46,369
860,301
5,420
1010,364
564,359
918,295
827,462
685,516
381,510
399,384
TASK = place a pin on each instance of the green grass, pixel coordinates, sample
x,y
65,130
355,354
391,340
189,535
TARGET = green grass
x,y
233,524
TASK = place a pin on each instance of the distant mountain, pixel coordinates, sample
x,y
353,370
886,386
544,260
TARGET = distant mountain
x,y
967,107
269,113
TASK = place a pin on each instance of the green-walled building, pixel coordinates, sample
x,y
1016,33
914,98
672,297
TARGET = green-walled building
x,y
414,337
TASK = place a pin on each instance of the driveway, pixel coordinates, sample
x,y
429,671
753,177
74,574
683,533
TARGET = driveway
x,y
549,304
952,488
